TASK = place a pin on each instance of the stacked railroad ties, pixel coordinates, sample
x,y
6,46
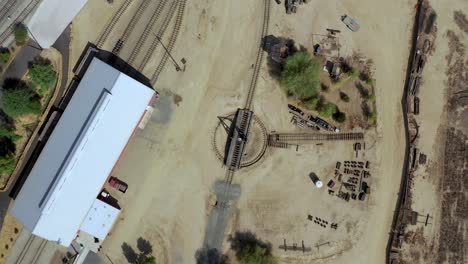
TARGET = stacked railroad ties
x,y
423,41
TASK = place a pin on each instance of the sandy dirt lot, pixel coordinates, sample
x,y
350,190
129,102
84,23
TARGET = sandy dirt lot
x,y
171,167
431,188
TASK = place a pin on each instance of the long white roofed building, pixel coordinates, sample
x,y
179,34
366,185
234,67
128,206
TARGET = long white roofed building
x,y
60,192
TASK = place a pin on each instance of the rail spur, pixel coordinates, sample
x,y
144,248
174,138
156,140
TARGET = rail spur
x,y
146,32
172,40
110,26
278,139
259,58
131,25
160,34
21,17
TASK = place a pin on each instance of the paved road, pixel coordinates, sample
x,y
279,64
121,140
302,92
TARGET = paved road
x,y
19,65
62,44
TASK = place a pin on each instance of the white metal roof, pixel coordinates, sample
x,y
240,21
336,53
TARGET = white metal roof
x,y
51,18
81,152
100,219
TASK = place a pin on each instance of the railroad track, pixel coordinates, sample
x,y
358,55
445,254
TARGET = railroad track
x,y
294,137
159,35
259,58
172,40
22,258
264,144
131,25
110,26
6,8
147,31
21,17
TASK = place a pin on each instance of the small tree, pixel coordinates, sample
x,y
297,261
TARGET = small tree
x,y
339,117
4,55
21,34
8,132
300,76
344,97
43,75
372,117
255,255
20,100
328,110
7,164
148,260
314,103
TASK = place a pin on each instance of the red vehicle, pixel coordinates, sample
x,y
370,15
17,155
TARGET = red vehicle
x,y
118,184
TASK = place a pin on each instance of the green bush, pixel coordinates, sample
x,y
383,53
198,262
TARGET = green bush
x,y
4,55
7,164
148,260
21,35
370,81
353,73
314,103
300,76
344,97
20,100
8,132
372,117
328,110
339,117
370,98
256,255
43,75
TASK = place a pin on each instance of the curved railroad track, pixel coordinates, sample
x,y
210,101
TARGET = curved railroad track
x,y
162,30
6,8
110,26
21,17
146,32
259,59
172,40
264,144
131,25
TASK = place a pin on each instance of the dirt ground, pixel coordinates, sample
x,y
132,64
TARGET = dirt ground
x,y
10,232
170,166
433,189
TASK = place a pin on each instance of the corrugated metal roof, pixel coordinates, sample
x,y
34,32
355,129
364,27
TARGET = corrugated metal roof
x,y
51,18
81,152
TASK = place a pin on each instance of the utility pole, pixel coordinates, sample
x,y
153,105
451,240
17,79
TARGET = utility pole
x,y
177,67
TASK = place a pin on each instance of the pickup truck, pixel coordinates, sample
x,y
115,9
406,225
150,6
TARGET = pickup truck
x,y
118,184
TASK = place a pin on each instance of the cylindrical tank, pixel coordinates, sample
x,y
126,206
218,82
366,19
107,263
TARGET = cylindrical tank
x,y
315,179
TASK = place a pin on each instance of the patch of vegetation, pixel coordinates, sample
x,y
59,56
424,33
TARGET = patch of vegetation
x,y
370,82
353,73
339,82
8,132
328,110
370,98
344,97
372,117
21,34
314,103
300,76
339,117
251,250
43,75
5,55
19,99
7,164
